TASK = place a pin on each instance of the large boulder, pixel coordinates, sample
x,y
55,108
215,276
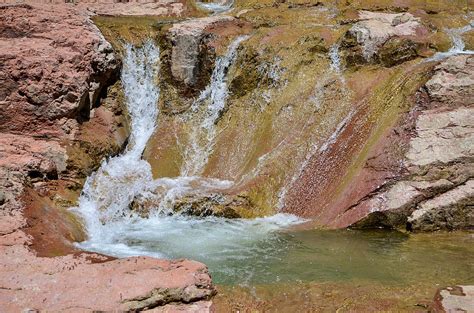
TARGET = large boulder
x,y
51,78
386,38
454,299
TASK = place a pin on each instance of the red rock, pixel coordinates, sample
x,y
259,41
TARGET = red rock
x,y
425,154
54,64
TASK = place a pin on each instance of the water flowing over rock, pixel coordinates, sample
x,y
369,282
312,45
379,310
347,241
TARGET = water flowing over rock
x,y
194,46
55,130
458,45
229,124
109,191
436,192
202,136
217,7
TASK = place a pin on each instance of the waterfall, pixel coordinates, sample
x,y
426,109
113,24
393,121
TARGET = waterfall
x,y
202,135
458,45
105,201
108,192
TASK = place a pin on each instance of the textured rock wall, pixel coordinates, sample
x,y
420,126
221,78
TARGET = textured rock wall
x,y
122,7
61,113
301,131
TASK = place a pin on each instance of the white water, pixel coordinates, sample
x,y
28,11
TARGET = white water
x,y
336,64
202,135
222,6
108,192
458,46
104,204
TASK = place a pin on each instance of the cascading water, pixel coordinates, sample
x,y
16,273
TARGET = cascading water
x,y
114,229
201,138
109,191
217,7
458,46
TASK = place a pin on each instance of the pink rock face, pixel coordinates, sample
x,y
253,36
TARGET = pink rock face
x,y
54,64
123,8
426,187
73,283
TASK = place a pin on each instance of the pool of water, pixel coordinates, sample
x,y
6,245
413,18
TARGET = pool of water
x,y
267,250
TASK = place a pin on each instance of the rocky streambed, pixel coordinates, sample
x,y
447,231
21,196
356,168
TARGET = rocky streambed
x,y
241,137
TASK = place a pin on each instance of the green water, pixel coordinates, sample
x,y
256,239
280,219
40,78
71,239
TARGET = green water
x,y
387,257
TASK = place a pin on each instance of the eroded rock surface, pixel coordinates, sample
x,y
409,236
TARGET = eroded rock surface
x,y
387,38
454,299
55,128
436,190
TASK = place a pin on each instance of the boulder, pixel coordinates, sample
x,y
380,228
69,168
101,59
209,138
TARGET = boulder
x,y
48,73
221,205
435,191
450,210
454,299
386,38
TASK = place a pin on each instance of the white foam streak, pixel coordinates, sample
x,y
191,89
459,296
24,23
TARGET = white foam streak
x,y
202,135
108,192
458,46
222,6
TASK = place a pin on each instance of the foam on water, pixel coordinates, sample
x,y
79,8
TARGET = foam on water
x,y
105,201
219,7
108,192
458,46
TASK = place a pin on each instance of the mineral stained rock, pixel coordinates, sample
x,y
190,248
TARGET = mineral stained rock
x,y
435,191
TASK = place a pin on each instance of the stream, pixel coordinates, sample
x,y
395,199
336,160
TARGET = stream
x,y
241,252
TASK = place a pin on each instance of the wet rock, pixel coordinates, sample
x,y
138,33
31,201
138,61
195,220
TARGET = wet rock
x,y
438,160
197,203
221,205
381,38
396,51
191,48
454,299
186,39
